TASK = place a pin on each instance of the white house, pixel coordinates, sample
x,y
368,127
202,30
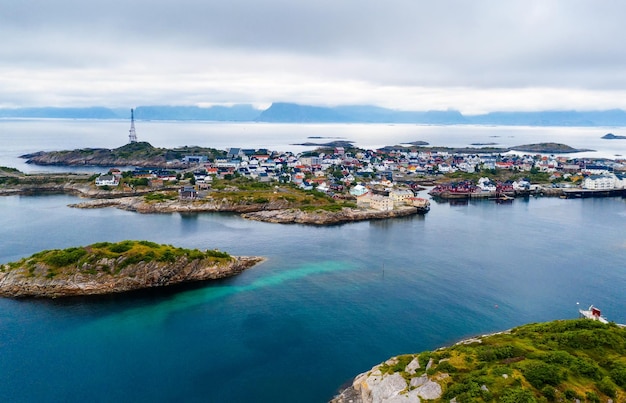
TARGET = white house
x,y
599,182
107,180
358,190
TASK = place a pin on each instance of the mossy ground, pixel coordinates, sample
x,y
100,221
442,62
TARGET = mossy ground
x,y
89,259
546,362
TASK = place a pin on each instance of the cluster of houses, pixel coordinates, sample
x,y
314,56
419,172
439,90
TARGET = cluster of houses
x,y
338,171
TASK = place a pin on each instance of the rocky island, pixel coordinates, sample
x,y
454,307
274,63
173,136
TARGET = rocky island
x,y
611,136
569,360
140,154
549,148
107,268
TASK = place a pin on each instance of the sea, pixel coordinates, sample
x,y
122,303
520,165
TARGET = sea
x,y
328,303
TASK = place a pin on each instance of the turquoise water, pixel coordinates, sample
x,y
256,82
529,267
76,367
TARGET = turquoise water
x,y
328,303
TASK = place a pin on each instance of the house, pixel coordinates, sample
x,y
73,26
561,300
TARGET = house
x,y
363,200
599,182
358,190
188,193
399,196
381,203
107,180
195,159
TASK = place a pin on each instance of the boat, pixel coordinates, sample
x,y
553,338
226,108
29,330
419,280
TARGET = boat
x,y
593,313
503,199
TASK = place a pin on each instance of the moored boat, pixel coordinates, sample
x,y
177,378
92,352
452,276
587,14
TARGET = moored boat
x,y
593,313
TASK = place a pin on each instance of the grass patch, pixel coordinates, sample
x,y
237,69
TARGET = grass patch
x,y
89,259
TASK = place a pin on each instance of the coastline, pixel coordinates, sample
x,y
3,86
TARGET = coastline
x,y
273,212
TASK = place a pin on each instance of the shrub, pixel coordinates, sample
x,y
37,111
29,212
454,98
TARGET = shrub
x,y
618,374
607,387
586,367
592,397
62,258
423,359
167,256
539,374
121,247
549,393
445,366
517,395
571,394
216,253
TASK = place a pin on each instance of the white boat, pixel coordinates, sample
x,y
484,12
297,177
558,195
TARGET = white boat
x,y
593,313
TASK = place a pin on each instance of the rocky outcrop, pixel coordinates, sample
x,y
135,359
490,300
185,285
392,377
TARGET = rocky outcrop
x,y
274,211
378,386
87,280
321,217
140,205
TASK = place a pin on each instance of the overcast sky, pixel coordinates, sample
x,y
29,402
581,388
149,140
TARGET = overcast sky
x,y
474,56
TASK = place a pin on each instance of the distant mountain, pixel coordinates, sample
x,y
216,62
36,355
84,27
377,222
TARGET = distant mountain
x,y
284,112
374,114
614,117
60,113
235,113
294,113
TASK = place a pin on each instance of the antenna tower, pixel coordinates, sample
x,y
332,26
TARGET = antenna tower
x,y
132,136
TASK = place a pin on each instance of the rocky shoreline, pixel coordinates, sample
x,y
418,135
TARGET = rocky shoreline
x,y
20,283
273,212
295,216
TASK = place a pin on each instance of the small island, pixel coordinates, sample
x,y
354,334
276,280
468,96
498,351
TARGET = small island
x,y
611,136
549,148
107,268
567,360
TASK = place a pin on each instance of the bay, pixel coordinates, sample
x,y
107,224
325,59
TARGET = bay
x,y
329,303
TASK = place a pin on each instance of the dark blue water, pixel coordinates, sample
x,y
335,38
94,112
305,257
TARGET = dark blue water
x,y
329,303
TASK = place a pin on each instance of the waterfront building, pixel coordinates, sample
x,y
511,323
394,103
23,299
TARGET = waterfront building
x,y
107,180
599,182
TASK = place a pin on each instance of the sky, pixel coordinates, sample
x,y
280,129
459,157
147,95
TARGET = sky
x,y
474,56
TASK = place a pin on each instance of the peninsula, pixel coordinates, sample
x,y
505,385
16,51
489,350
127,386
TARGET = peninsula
x,y
568,360
107,268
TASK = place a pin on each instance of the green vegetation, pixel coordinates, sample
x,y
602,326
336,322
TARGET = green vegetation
x,y
241,190
534,175
106,257
546,362
160,196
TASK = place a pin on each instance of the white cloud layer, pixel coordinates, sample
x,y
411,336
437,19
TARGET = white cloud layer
x,y
474,56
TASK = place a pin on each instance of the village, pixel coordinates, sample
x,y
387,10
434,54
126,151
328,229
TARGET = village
x,y
384,179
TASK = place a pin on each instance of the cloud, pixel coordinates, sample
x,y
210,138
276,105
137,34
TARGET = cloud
x,y
401,53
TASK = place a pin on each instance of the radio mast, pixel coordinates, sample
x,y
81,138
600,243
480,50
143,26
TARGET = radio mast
x,y
132,136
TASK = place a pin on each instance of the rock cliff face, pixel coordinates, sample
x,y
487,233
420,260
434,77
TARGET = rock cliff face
x,y
22,282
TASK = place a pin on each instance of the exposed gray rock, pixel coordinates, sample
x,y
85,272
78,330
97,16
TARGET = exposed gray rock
x,y
417,382
413,366
430,390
